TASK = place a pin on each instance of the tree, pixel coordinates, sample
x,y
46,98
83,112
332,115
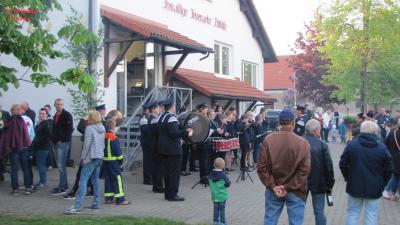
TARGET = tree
x,y
80,53
25,34
362,43
310,68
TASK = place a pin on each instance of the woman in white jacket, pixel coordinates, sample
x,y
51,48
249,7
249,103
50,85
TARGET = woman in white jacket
x,y
91,159
327,124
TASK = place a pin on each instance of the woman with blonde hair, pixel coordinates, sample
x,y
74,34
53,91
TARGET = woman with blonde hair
x,y
91,160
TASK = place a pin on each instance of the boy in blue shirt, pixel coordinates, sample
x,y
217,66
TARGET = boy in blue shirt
x,y
218,182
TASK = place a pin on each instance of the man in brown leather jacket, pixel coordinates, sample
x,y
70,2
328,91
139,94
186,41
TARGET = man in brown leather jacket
x,y
283,167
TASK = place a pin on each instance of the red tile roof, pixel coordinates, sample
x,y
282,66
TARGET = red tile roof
x,y
151,29
277,75
213,86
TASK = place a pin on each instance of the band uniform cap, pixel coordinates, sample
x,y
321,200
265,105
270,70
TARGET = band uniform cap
x,y
146,105
286,114
100,107
370,114
168,101
300,107
154,104
202,106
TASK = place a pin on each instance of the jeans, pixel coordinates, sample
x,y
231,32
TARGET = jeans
x,y
17,157
394,183
89,171
318,202
256,151
274,205
219,212
41,156
326,134
62,154
354,207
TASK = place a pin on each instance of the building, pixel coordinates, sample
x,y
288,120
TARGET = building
x,y
278,78
194,50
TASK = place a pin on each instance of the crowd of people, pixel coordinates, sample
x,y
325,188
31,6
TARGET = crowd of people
x,y
292,160
295,162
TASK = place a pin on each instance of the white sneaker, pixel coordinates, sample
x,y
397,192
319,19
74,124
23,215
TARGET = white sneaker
x,y
385,194
397,195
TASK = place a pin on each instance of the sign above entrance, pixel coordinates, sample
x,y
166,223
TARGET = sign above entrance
x,y
194,14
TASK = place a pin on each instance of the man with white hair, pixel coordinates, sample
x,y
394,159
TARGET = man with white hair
x,y
321,178
366,167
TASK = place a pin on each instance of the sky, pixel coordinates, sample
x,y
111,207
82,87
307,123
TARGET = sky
x,y
283,19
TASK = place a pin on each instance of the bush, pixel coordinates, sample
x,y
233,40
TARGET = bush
x,y
349,120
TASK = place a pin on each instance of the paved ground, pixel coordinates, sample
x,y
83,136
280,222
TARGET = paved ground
x,y
245,206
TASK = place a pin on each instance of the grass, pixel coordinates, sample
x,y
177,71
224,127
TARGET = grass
x,y
11,219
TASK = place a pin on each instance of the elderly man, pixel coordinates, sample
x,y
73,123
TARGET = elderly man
x,y
321,177
283,168
366,167
28,112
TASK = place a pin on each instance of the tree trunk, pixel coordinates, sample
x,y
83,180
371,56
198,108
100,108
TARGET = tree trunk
x,y
366,7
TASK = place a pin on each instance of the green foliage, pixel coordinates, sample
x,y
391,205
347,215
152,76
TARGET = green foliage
x,y
83,44
27,37
357,30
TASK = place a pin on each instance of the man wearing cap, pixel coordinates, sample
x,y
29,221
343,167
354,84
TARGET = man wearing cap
x,y
145,143
283,167
170,149
102,110
301,120
155,160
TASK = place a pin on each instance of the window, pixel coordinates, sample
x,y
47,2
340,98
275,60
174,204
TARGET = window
x,y
222,59
249,73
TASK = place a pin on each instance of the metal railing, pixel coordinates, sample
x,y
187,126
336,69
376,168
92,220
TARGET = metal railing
x,y
180,96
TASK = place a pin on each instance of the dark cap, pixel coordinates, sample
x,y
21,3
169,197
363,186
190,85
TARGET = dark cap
x,y
300,107
202,106
153,104
286,114
146,105
370,114
168,101
100,107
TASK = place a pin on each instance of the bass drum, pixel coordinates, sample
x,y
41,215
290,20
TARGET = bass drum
x,y
198,122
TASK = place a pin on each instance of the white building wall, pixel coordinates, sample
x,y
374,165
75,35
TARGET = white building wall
x,y
238,33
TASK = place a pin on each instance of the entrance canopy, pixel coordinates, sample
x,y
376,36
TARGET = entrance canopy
x,y
220,88
151,30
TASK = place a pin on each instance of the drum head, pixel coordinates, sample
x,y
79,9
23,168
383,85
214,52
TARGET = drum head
x,y
200,125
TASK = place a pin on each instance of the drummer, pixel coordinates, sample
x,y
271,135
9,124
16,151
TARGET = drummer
x,y
170,149
204,150
218,131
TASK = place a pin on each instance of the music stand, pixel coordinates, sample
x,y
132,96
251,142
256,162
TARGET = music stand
x,y
243,174
198,182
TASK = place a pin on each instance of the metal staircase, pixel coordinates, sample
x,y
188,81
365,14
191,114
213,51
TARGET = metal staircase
x,y
129,133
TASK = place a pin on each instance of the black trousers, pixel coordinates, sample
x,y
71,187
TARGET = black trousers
x,y
147,159
51,157
193,156
205,158
185,156
171,165
244,147
76,184
326,134
156,169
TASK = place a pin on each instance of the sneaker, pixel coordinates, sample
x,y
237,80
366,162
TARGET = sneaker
x,y
126,202
109,201
72,210
92,208
58,192
39,186
14,193
385,194
69,197
28,191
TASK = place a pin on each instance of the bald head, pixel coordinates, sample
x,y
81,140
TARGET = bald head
x,y
24,106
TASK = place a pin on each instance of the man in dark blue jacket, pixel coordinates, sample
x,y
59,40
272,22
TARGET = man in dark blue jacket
x,y
366,167
145,143
321,178
170,149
